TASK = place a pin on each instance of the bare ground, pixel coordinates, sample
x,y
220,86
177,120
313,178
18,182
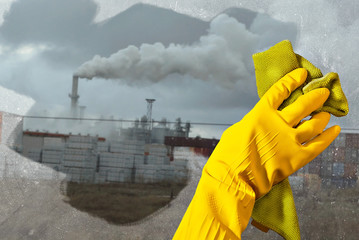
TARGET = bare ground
x,y
121,203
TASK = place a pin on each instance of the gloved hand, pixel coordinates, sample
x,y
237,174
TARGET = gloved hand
x,y
266,147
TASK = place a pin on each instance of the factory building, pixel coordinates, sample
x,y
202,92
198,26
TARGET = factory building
x,y
136,154
93,159
140,155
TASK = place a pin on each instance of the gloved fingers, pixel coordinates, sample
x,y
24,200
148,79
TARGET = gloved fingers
x,y
284,87
311,128
300,124
304,105
317,145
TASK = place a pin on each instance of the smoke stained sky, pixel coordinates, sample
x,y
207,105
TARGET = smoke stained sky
x,y
222,56
41,49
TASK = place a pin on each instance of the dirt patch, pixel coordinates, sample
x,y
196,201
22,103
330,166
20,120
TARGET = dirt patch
x,y
121,203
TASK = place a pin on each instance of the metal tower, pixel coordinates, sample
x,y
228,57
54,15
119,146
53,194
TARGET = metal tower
x,y
149,112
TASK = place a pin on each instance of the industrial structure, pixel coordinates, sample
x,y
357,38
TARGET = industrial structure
x,y
93,159
129,158
74,95
143,153
134,154
149,112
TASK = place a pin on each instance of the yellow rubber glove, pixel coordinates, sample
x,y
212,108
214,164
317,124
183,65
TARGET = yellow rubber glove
x,y
261,150
276,210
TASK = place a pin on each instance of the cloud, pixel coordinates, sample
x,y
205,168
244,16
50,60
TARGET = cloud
x,y
222,56
188,76
72,36
41,58
41,21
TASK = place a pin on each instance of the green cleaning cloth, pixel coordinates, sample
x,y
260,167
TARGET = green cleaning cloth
x,y
276,210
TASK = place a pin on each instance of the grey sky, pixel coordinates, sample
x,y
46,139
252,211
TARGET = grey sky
x,y
43,43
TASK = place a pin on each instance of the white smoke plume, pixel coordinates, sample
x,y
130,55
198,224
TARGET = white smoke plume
x,y
224,55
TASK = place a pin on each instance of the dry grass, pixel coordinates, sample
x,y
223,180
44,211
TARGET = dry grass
x,y
120,203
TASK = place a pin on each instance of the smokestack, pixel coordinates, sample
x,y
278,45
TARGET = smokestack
x,y
74,96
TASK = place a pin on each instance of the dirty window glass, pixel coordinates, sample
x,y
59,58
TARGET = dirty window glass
x,y
110,110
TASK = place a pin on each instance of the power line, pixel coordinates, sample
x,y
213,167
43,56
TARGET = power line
x,y
121,120
133,121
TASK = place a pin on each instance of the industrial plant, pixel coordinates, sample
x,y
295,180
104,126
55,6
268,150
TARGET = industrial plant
x,y
143,153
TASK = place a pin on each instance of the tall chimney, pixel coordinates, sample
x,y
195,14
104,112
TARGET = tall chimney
x,y
74,96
